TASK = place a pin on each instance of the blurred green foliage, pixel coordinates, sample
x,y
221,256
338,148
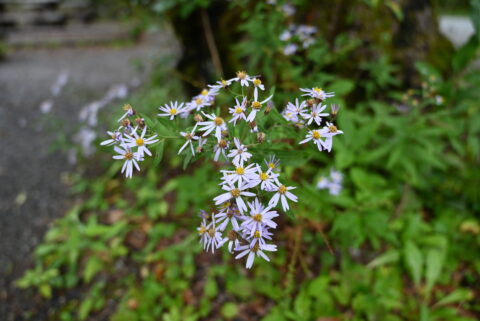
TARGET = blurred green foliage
x,y
400,242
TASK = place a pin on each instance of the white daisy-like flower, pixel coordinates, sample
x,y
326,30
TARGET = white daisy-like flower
x,y
131,160
282,194
273,163
116,137
257,83
329,131
141,142
315,135
265,179
221,84
171,110
243,78
259,217
315,114
260,236
221,148
230,214
215,123
238,111
189,137
290,49
239,174
317,93
297,108
290,116
240,155
213,237
207,95
256,105
202,232
129,112
255,250
235,193
198,103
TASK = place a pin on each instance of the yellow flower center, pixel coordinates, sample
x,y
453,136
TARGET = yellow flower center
x,y
316,134
240,170
204,92
188,136
257,234
199,101
282,189
271,165
222,143
202,230
139,141
332,129
218,121
224,83
238,110
235,192
318,90
257,217
257,82
255,248
173,111
263,176
128,155
256,105
127,107
226,205
211,232
241,74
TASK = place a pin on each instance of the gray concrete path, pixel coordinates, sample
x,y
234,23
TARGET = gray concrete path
x,y
31,190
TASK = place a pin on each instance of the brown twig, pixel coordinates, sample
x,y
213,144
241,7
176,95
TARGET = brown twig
x,y
212,47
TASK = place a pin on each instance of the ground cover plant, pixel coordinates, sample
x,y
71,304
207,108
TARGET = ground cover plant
x,y
383,227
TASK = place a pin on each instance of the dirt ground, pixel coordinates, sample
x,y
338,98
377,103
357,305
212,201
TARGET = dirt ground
x,y
32,194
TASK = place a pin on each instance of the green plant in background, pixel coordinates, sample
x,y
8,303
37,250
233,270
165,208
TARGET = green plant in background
x,y
399,242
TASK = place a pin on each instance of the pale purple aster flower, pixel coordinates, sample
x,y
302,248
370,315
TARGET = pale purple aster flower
x,y
230,214
213,237
257,83
282,194
221,84
116,137
171,110
329,131
202,232
240,155
336,176
260,236
243,78
215,123
221,148
317,93
297,108
238,111
140,142
189,137
323,183
129,112
273,163
259,217
288,9
239,174
285,35
255,250
316,136
265,179
235,193
290,49
131,160
256,105
315,114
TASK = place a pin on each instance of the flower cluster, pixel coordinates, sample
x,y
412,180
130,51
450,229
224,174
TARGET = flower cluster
x,y
333,183
307,112
246,226
296,37
130,143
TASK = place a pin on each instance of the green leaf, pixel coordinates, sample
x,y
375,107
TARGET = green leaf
x,y
459,295
465,54
385,258
93,266
159,152
229,310
341,87
414,261
434,263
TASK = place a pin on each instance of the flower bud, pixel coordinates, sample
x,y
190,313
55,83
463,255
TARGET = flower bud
x,y
253,124
261,137
335,108
126,122
198,118
269,107
311,102
140,122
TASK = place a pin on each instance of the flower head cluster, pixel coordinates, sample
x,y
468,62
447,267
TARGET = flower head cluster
x,y
333,183
243,221
130,142
311,112
296,37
